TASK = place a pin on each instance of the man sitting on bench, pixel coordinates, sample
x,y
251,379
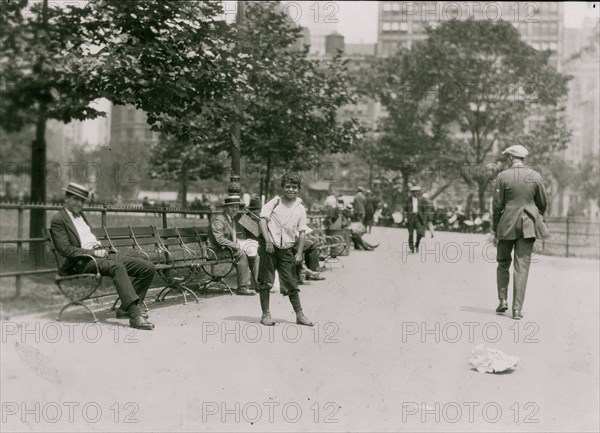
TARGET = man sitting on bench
x,y
223,233
74,239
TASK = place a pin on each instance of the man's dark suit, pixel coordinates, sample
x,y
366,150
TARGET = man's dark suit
x,y
519,204
417,221
67,242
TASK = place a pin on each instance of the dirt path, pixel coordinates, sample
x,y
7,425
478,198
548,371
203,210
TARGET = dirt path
x,y
389,353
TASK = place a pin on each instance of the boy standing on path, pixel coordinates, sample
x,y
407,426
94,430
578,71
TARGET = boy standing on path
x,y
282,220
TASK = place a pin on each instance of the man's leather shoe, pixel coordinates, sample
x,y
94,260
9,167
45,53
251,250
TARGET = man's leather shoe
x,y
266,320
502,307
316,277
517,315
301,319
139,322
244,291
122,314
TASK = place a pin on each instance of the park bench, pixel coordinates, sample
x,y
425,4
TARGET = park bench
x,y
216,264
179,255
329,247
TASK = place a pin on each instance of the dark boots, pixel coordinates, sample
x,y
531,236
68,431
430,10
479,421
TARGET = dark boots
x,y
266,319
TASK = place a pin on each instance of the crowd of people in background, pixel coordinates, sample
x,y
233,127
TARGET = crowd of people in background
x,y
371,211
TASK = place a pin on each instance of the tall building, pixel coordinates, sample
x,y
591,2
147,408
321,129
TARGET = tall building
x,y
128,125
403,23
62,139
314,16
582,103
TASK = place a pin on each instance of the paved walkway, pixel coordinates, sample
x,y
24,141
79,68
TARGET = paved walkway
x,y
390,353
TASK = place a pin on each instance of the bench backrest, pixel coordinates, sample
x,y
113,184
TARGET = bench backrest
x,y
47,233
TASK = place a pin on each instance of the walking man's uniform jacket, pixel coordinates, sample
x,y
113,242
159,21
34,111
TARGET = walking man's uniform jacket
x,y
519,204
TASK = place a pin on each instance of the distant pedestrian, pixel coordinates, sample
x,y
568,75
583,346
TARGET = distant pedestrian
x,y
418,214
519,204
370,208
359,204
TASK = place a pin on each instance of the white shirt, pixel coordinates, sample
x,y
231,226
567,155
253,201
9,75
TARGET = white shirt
x,y
87,238
415,205
284,223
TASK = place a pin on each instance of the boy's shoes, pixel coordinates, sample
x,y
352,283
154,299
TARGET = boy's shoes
x,y
266,320
301,319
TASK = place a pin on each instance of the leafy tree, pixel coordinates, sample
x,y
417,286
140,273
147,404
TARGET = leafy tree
x,y
290,112
406,143
587,179
173,60
561,178
42,47
481,83
185,161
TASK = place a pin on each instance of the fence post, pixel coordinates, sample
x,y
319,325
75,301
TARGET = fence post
x,y
19,248
104,212
567,242
163,209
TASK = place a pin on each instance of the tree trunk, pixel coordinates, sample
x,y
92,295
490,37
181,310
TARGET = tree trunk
x,y
236,129
561,202
183,186
261,189
268,178
440,190
37,217
236,149
405,181
481,187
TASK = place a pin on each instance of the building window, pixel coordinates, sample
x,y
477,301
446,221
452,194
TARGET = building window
x,y
396,6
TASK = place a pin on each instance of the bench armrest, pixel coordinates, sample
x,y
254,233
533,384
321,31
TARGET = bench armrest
x,y
67,277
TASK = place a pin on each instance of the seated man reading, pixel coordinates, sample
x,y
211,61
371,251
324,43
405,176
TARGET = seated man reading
x,y
223,233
